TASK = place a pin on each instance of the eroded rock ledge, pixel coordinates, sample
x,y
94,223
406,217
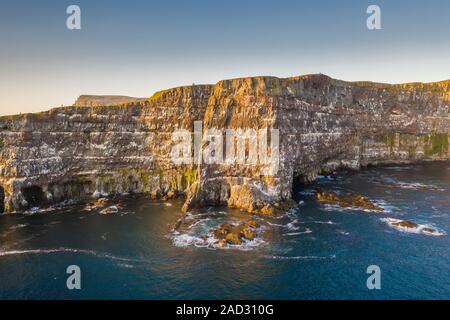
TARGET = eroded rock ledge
x,y
80,152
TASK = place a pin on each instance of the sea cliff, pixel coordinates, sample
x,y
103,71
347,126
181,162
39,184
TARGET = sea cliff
x,y
79,152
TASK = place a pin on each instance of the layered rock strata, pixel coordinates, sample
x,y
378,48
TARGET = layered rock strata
x,y
80,152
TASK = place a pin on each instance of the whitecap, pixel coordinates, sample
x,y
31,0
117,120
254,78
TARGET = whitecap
x,y
19,226
210,242
397,168
301,257
307,192
320,222
307,231
291,226
275,224
247,245
417,186
198,222
65,250
186,240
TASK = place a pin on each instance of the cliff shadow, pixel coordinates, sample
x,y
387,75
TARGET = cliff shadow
x,y
2,200
34,196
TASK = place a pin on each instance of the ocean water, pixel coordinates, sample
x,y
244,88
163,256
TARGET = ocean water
x,y
311,252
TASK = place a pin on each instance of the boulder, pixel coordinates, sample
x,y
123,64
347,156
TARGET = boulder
x,y
252,224
222,243
267,210
232,238
356,201
222,231
155,195
248,233
170,195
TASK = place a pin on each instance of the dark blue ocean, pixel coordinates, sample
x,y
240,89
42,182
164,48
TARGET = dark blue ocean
x,y
311,252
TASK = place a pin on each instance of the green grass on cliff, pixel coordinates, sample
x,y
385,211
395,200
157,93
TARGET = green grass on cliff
x,y
436,144
388,139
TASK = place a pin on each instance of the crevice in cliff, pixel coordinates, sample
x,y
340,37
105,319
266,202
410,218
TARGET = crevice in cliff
x,y
304,178
2,200
34,196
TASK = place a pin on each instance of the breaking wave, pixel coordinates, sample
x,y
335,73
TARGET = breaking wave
x,y
419,229
301,257
307,231
66,250
209,242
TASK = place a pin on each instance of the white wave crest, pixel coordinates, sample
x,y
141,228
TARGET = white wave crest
x,y
65,250
419,229
301,257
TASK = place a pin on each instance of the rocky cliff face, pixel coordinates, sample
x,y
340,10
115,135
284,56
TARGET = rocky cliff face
x,y
75,153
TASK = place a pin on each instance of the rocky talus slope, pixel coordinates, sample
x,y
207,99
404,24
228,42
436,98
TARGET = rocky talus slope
x,y
80,152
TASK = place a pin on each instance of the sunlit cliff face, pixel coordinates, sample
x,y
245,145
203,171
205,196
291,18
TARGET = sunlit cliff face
x,y
75,153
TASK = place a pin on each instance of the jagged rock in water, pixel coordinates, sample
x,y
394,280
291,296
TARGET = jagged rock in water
x,y
233,238
109,210
252,224
355,201
324,124
429,230
221,231
226,233
249,233
406,224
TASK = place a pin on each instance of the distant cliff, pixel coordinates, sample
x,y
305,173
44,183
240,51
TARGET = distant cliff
x,y
96,101
77,152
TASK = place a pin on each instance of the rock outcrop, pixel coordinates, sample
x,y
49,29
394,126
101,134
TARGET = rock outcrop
x,y
80,152
355,201
226,233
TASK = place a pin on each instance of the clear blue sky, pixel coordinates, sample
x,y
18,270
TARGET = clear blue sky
x,y
137,47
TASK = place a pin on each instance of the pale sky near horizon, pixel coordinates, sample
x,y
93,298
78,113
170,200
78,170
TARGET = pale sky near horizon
x,y
137,47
